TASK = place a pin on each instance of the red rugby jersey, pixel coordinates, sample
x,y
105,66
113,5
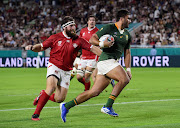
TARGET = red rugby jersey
x,y
86,34
64,50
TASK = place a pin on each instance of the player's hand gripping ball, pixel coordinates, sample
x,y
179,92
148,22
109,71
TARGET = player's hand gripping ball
x,y
109,39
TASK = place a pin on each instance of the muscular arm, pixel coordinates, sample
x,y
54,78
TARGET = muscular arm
x,y
127,58
94,40
96,50
127,61
35,48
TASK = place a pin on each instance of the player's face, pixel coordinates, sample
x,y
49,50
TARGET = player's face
x,y
71,31
126,22
91,22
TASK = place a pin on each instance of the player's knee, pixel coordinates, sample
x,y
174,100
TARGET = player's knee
x,y
88,73
80,74
78,77
50,90
60,100
126,81
95,93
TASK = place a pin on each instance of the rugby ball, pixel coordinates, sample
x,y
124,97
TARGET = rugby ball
x,y
104,37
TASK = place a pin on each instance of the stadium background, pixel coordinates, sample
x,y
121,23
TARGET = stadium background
x,y
151,99
33,21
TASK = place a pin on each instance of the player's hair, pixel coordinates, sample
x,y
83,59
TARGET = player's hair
x,y
67,19
91,16
121,13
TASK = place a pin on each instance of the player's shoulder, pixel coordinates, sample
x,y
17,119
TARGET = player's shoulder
x,y
80,38
109,26
84,29
57,35
127,31
96,29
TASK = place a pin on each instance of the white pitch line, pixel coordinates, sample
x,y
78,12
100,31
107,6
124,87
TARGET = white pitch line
x,y
36,94
128,89
98,104
22,95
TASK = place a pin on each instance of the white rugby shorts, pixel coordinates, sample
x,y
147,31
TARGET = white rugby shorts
x,y
76,61
87,63
107,65
62,76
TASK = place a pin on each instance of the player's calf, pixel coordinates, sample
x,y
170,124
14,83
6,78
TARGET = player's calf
x,y
37,98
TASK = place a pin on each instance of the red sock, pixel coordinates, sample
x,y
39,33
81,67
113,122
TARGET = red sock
x,y
52,97
41,102
87,86
82,81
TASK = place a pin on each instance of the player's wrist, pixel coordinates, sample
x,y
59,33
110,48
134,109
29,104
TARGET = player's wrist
x,y
101,44
128,69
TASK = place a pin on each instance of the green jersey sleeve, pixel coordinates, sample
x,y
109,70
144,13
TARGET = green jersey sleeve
x,y
104,30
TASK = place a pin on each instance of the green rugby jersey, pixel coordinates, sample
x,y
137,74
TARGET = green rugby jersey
x,y
122,41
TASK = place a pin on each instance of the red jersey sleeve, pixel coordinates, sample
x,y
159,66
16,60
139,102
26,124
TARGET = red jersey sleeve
x,y
85,44
49,42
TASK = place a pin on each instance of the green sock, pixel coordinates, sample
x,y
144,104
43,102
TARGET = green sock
x,y
110,101
71,104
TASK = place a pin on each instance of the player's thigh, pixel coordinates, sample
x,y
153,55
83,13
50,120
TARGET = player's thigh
x,y
89,69
118,73
93,75
53,75
100,84
60,93
95,72
64,80
51,84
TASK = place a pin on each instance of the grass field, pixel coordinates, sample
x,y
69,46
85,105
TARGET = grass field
x,y
150,100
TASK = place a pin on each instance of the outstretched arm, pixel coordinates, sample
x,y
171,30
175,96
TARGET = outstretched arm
x,y
96,50
34,48
127,61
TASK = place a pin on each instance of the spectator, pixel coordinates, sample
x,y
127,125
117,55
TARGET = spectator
x,y
18,18
153,51
158,43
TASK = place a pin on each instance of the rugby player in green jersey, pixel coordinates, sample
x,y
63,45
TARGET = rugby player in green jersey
x,y
108,65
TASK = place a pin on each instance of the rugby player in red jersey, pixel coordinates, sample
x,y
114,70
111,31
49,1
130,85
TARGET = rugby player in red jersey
x,y
88,60
64,48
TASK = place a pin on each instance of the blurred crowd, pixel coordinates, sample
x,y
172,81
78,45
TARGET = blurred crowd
x,y
161,23
26,22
